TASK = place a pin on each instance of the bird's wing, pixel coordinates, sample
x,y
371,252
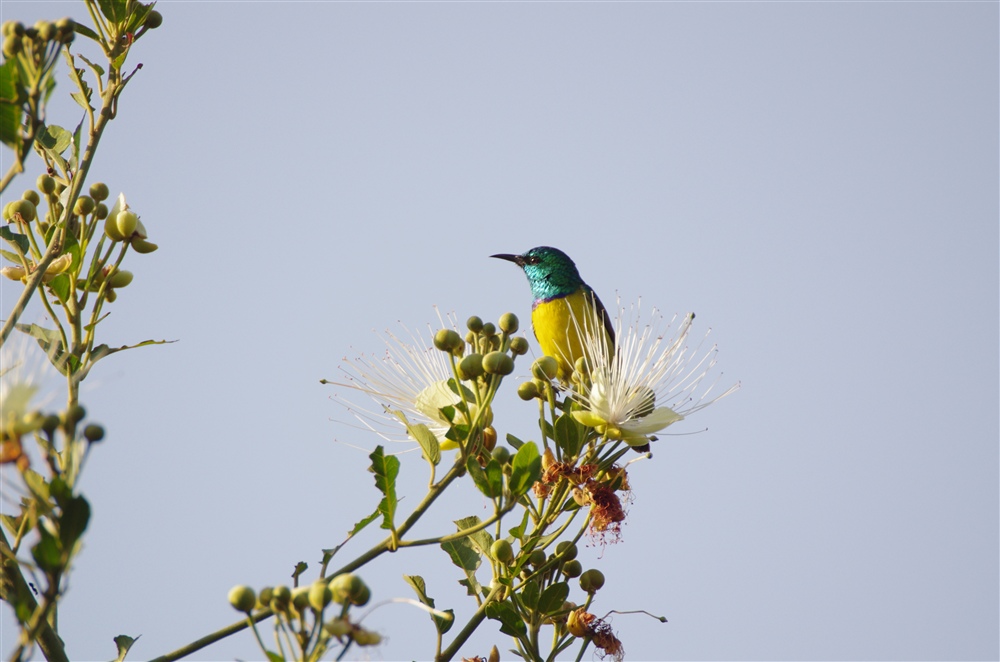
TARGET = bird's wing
x,y
603,312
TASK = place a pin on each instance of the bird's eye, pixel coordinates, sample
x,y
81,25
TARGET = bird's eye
x,y
532,259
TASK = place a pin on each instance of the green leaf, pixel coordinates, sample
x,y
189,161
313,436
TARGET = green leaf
x,y
116,11
300,567
60,286
274,657
514,441
526,469
36,484
363,523
139,12
479,478
481,540
55,139
51,343
46,552
10,110
7,255
529,594
102,351
420,587
494,477
511,623
517,532
80,28
73,522
124,643
465,556
552,598
569,434
386,468
428,442
19,240
11,523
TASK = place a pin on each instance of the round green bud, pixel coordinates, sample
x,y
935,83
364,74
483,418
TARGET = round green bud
x,y
537,558
7,29
74,414
84,205
31,196
111,296
572,568
50,423
581,367
281,597
66,28
93,433
24,208
242,598
447,340
470,338
527,391
264,597
101,211
519,346
126,221
501,454
300,598
475,324
320,595
566,550
471,366
489,329
46,184
99,191
502,551
11,46
508,323
498,363
592,580
361,598
46,30
154,19
345,587
545,368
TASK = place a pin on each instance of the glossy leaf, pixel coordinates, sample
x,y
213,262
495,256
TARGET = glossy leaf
x,y
511,623
526,469
552,598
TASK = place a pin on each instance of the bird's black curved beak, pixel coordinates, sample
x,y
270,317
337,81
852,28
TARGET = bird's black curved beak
x,y
516,259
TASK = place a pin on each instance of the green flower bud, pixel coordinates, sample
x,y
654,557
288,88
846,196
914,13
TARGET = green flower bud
x,y
242,598
566,550
127,221
572,568
50,423
527,391
347,587
519,346
93,433
111,229
508,323
111,296
361,598
74,414
120,278
501,454
101,211
154,19
498,363
592,580
489,329
545,368
471,366
8,28
99,191
320,595
447,340
537,558
300,598
264,597
32,197
24,208
581,367
475,324
46,184
66,28
11,46
46,30
84,205
281,597
502,551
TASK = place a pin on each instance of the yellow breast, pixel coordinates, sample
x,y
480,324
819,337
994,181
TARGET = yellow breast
x,y
558,324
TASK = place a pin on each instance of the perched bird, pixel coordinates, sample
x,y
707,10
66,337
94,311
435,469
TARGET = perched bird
x,y
563,305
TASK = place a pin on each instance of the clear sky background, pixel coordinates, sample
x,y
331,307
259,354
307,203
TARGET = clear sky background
x,y
817,181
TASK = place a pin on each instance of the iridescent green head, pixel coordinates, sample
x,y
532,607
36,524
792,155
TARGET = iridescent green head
x,y
550,272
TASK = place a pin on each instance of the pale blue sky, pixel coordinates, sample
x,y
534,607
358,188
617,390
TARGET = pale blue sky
x,y
817,181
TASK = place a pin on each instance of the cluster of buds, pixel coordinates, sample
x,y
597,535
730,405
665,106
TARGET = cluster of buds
x,y
296,604
18,420
38,41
